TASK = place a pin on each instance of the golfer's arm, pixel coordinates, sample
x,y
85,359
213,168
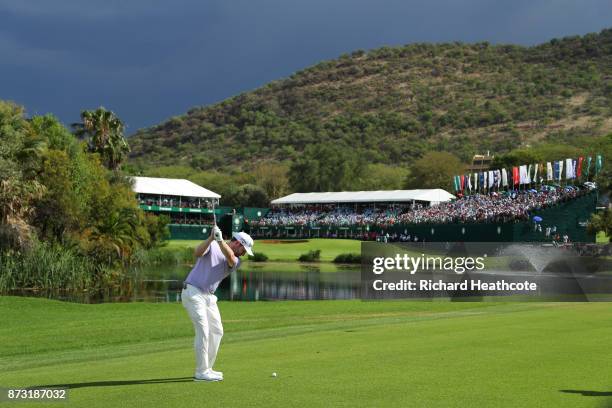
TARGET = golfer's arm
x,y
229,254
201,249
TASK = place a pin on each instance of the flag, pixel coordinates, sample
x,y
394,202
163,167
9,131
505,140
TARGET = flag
x,y
491,178
504,178
497,176
556,170
598,164
588,167
515,176
456,183
462,178
468,179
528,179
549,171
560,169
523,175
535,173
568,169
475,181
579,169
481,180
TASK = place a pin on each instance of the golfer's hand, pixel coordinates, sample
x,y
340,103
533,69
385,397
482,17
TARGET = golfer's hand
x,y
217,234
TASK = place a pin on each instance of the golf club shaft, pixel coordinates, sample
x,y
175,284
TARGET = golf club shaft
x,y
214,214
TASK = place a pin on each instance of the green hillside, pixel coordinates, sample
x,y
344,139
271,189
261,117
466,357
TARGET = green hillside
x,y
393,104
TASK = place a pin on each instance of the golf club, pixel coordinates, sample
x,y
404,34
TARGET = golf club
x,y
214,215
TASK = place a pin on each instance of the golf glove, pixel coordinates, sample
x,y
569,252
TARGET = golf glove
x,y
217,234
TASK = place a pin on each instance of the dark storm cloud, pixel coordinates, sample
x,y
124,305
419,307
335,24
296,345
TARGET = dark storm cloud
x,y
149,60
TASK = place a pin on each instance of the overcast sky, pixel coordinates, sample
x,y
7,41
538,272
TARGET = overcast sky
x,y
151,59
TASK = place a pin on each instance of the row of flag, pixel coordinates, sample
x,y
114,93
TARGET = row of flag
x,y
555,171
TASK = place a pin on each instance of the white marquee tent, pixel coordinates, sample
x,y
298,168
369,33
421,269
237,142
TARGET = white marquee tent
x,y
431,196
171,187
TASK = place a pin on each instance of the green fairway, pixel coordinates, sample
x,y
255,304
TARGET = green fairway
x,y
287,250
337,353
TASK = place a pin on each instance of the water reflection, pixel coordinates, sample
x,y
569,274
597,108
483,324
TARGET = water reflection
x,y
579,278
271,281
254,282
310,285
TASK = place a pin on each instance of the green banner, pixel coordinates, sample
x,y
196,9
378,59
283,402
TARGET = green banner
x,y
175,209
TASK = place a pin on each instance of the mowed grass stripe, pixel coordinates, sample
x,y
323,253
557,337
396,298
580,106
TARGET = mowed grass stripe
x,y
502,357
75,334
286,250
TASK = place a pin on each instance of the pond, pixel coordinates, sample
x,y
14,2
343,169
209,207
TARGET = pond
x,y
269,281
253,281
256,281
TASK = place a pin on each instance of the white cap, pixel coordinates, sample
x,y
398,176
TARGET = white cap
x,y
246,241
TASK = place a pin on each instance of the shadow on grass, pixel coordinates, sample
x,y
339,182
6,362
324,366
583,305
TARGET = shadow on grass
x,y
589,393
114,383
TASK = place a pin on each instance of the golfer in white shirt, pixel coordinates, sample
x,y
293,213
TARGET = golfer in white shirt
x,y
216,259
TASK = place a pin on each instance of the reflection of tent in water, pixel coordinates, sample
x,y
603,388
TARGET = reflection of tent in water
x,y
309,284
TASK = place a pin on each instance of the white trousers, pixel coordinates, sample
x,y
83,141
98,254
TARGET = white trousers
x,y
206,319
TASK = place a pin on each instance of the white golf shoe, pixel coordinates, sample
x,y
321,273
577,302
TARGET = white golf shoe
x,y
208,375
217,373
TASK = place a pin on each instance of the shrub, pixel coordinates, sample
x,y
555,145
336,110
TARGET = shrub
x,y
311,256
258,257
348,258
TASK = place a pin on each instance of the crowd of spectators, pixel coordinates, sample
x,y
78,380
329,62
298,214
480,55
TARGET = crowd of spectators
x,y
508,206
167,201
187,220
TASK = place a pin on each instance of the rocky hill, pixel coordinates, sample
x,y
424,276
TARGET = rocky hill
x,y
396,103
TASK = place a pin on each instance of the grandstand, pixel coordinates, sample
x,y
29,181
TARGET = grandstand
x,y
348,214
399,215
433,215
188,205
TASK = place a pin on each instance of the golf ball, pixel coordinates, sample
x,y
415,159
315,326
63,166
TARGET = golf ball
x,y
273,374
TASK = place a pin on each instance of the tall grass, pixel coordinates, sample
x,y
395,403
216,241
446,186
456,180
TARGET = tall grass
x,y
163,256
54,269
48,267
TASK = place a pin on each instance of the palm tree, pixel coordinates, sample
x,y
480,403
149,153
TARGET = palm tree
x,y
104,132
114,238
16,196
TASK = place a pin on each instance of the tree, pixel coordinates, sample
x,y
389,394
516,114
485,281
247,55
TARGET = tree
x,y
434,170
103,131
20,151
327,167
113,239
16,210
272,177
247,195
383,177
601,222
535,154
58,211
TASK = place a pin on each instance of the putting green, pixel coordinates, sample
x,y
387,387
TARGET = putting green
x,y
336,353
290,250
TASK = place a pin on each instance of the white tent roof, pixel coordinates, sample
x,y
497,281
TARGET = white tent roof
x,y
430,195
172,187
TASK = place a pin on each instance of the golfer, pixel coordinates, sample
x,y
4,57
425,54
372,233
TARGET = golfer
x,y
216,259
